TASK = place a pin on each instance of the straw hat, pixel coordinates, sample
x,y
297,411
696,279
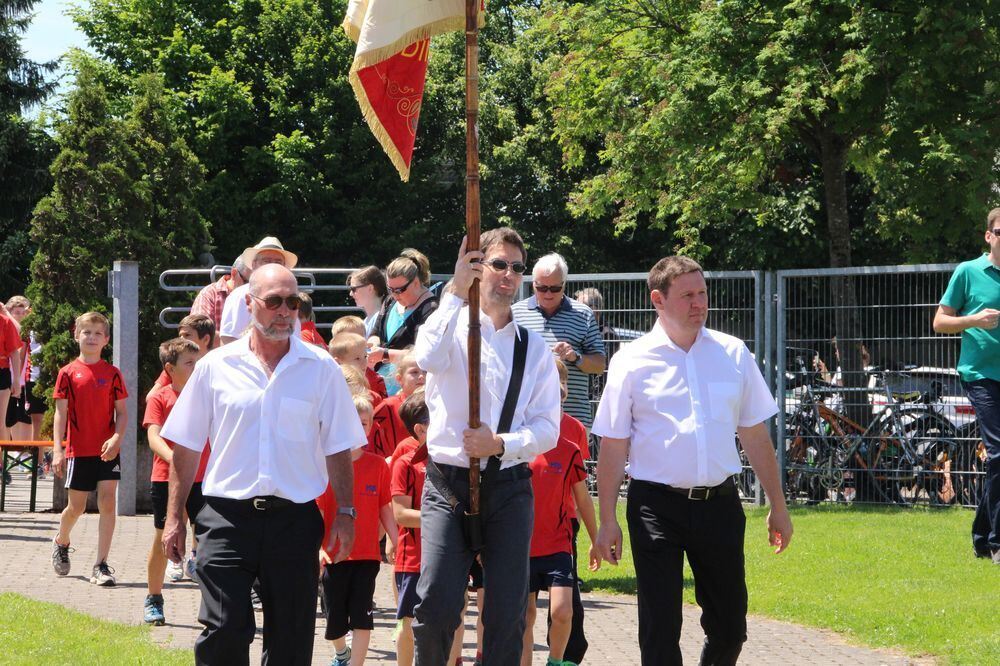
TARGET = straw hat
x,y
269,243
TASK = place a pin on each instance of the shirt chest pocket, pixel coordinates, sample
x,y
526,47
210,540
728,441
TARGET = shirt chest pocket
x,y
723,401
298,423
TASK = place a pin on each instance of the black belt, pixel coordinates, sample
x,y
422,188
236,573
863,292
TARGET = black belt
x,y
512,473
727,487
263,503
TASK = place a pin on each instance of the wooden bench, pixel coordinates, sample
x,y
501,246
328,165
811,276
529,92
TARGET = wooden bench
x,y
9,462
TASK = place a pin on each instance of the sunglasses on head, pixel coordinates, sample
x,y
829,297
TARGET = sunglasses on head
x,y
399,290
274,302
499,265
546,289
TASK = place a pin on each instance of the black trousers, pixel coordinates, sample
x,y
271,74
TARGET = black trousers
x,y
663,527
984,395
238,544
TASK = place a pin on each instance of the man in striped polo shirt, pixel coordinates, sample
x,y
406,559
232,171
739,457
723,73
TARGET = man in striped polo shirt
x,y
568,326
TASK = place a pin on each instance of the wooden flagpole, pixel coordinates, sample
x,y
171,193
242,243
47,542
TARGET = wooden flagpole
x,y
472,222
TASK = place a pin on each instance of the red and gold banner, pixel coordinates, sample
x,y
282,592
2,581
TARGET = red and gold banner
x,y
390,65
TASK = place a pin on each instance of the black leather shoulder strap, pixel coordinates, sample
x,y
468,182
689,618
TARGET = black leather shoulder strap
x,y
513,392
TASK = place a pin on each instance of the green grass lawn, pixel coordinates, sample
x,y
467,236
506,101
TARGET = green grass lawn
x,y
884,577
35,632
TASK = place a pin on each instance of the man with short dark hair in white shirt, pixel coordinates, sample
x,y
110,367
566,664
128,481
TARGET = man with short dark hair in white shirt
x,y
507,500
281,423
674,400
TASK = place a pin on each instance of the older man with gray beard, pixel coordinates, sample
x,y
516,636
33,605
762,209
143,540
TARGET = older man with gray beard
x,y
282,424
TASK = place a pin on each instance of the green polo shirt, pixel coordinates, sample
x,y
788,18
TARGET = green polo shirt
x,y
975,286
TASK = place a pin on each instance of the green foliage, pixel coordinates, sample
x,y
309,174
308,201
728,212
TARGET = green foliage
x,y
125,189
774,115
25,149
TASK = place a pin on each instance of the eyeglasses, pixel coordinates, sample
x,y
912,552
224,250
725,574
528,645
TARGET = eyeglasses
x,y
355,287
399,290
274,302
499,265
546,289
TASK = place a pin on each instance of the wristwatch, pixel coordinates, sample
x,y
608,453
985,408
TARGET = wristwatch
x,y
579,358
347,511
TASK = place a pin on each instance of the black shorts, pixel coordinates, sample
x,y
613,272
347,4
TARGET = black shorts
x,y
158,491
348,589
5,379
16,413
33,404
476,576
551,571
84,473
406,587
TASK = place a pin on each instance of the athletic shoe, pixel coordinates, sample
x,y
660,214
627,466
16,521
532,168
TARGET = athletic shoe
x,y
153,610
255,600
342,661
103,575
175,572
60,558
189,566
996,556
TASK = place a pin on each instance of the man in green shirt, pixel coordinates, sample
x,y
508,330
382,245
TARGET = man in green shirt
x,y
971,306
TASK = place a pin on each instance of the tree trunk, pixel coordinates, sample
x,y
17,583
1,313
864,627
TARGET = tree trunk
x,y
847,325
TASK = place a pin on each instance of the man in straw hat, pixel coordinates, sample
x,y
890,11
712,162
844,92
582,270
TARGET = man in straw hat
x,y
236,313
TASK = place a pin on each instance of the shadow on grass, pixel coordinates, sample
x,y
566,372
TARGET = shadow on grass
x,y
621,584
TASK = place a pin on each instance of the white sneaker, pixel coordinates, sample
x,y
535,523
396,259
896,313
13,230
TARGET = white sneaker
x,y
175,572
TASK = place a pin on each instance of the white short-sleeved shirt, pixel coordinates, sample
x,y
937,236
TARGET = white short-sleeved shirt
x,y
269,436
236,314
681,409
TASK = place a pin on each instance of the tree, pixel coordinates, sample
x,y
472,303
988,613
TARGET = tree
x,y
703,114
25,149
124,189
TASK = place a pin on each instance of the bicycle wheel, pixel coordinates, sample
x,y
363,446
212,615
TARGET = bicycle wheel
x,y
914,466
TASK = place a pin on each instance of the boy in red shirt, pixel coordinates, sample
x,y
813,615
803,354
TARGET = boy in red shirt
x,y
349,578
308,321
10,366
91,415
178,357
559,481
197,328
351,351
356,325
388,429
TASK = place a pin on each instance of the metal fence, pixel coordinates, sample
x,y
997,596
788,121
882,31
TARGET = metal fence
x,y
871,409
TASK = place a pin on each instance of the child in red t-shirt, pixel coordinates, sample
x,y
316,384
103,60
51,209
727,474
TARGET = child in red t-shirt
x,y
197,328
356,325
388,429
349,583
308,321
10,366
90,416
351,351
178,357
558,480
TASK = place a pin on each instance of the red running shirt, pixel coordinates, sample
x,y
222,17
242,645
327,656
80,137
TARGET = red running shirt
x,y
387,428
376,383
371,493
91,392
553,475
572,430
10,340
408,475
157,410
311,335
404,447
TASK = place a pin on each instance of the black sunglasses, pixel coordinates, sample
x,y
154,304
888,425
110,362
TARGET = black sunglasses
x,y
546,289
399,290
354,288
274,302
499,265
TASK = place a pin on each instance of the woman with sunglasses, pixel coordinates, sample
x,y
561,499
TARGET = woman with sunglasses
x,y
367,288
407,279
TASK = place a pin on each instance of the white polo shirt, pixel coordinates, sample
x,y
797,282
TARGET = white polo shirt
x,y
681,409
269,436
442,350
236,314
